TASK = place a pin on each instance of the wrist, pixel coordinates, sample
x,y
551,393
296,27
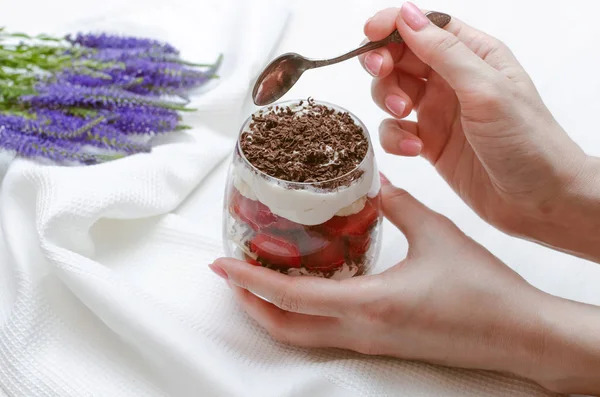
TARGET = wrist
x,y
569,221
570,359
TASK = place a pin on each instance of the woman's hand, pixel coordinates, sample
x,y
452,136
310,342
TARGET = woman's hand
x,y
483,125
449,302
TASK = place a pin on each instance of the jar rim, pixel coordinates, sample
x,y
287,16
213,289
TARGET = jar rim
x,y
305,184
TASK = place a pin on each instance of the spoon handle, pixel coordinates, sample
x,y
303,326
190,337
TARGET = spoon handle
x,y
437,18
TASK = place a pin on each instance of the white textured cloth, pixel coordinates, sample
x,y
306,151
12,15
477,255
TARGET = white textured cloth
x,y
105,290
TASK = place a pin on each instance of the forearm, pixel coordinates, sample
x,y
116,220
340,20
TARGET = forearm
x,y
570,360
572,223
552,341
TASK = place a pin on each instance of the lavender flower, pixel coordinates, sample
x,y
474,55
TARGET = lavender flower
x,y
58,150
123,55
141,76
49,123
115,77
108,137
144,120
98,93
164,74
164,78
58,95
104,41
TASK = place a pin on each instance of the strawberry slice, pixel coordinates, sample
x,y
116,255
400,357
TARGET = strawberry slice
x,y
264,217
275,250
310,242
258,216
329,257
286,225
358,246
253,213
251,261
356,224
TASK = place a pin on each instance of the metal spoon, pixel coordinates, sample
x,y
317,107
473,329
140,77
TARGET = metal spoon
x,y
283,72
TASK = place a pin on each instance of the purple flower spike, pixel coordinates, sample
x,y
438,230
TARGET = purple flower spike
x,y
49,123
107,137
144,120
141,76
121,55
104,41
165,74
60,95
115,78
58,150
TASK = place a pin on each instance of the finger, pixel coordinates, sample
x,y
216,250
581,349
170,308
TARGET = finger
x,y
408,62
286,327
398,93
379,27
443,51
415,220
308,295
382,24
490,49
398,56
380,62
398,140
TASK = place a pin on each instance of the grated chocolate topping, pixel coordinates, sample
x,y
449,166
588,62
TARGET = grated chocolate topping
x,y
313,143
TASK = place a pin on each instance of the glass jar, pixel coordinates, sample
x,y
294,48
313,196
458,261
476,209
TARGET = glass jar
x,y
327,229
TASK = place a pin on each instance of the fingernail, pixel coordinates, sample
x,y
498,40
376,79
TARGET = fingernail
x,y
413,17
218,271
383,179
395,104
373,62
411,147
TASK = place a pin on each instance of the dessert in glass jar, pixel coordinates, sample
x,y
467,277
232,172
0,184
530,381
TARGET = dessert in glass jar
x,y
303,192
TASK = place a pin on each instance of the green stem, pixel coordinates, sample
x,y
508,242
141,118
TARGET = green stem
x,y
88,127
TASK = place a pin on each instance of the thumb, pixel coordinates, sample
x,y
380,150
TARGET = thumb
x,y
462,69
416,221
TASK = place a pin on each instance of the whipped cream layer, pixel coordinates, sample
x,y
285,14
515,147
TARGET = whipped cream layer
x,y
308,206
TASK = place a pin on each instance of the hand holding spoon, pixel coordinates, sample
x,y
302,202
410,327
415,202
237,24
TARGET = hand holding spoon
x,y
283,72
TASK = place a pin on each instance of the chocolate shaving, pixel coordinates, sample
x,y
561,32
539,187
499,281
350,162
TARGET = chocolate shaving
x,y
312,144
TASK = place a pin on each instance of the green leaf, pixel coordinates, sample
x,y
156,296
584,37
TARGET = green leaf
x,y
20,35
81,112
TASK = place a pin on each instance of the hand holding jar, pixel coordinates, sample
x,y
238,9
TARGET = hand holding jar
x,y
481,122
450,302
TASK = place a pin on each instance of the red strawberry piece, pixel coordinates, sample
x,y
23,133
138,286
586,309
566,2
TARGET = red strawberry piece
x,y
251,261
358,246
264,217
310,242
253,213
242,208
353,225
275,250
286,225
327,258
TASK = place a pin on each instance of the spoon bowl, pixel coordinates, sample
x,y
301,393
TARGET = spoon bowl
x,y
279,77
